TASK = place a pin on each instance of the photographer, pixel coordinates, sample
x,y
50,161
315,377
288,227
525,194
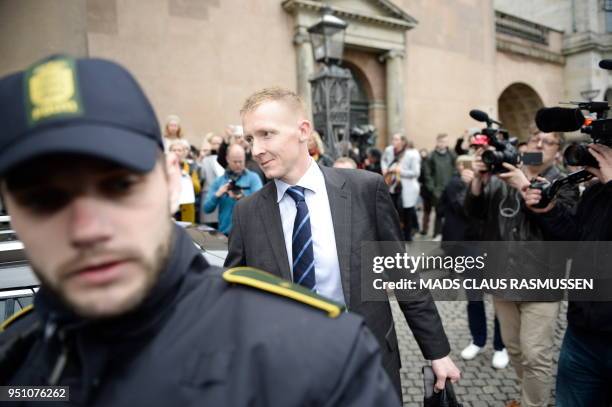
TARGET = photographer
x,y
585,361
527,327
236,183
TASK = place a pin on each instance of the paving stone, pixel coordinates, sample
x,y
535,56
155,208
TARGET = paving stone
x,y
481,384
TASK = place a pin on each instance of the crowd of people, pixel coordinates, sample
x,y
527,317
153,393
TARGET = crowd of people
x,y
125,295
474,203
416,179
453,185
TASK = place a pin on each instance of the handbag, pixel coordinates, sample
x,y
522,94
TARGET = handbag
x,y
445,398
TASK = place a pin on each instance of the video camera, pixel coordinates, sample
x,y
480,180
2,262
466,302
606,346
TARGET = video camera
x,y
505,146
363,137
571,119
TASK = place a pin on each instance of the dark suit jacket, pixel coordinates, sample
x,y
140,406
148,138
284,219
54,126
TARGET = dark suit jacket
x,y
362,210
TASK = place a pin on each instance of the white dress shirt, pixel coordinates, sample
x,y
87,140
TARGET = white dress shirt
x,y
327,268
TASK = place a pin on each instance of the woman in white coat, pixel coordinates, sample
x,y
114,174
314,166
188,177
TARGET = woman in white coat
x,y
409,171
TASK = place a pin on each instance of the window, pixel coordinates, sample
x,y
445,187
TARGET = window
x,y
607,6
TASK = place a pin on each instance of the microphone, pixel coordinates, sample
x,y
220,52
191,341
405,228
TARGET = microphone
x,y
606,64
551,119
481,116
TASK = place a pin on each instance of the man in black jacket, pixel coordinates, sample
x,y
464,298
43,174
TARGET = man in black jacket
x,y
585,362
129,313
527,319
438,170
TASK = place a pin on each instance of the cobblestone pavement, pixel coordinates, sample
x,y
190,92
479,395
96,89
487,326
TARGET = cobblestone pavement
x,y
481,384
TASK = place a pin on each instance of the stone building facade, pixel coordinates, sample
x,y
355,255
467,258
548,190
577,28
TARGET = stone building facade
x,y
587,39
419,65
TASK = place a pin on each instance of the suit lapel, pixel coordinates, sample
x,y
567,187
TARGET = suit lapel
x,y
273,230
340,207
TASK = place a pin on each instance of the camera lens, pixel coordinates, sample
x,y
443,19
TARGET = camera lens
x,y
578,155
492,158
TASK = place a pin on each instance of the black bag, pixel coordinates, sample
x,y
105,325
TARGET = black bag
x,y
445,398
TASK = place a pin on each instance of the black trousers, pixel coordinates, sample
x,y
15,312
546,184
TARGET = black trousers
x,y
409,219
477,321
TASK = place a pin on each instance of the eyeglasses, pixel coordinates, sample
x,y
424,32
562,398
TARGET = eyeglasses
x,y
538,140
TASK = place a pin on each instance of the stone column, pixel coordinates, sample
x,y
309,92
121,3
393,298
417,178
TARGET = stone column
x,y
33,29
305,67
394,66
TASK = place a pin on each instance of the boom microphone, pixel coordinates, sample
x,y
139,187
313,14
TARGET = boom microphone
x,y
606,64
481,116
551,119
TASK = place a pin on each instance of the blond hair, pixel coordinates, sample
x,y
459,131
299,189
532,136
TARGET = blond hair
x,y
173,119
181,142
346,160
318,141
273,94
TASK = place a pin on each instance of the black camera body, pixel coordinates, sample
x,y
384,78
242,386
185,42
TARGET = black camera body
x,y
578,154
505,145
233,179
547,193
549,190
505,152
363,137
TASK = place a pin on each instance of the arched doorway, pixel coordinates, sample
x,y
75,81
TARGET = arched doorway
x,y
517,106
360,103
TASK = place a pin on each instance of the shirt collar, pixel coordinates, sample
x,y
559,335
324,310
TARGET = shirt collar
x,y
312,180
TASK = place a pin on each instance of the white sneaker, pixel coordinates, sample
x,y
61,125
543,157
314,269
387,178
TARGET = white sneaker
x,y
470,351
500,359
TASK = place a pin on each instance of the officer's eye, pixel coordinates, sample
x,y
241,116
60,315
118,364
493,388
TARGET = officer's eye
x,y
43,200
120,184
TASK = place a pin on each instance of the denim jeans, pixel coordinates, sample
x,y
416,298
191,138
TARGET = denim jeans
x,y
584,378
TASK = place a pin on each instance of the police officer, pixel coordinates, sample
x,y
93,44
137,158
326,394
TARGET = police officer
x,y
129,313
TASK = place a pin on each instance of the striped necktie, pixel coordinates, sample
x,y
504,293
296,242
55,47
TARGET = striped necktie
x,y
303,256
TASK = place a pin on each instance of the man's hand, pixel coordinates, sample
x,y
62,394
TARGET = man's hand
x,y
532,197
223,190
467,176
235,195
515,177
481,173
603,155
174,180
445,369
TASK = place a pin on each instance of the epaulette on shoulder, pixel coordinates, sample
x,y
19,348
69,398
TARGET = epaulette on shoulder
x,y
264,281
16,316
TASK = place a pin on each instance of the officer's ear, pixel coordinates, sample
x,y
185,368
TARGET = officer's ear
x,y
173,176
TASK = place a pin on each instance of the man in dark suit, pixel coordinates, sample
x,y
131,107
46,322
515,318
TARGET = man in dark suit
x,y
129,312
308,225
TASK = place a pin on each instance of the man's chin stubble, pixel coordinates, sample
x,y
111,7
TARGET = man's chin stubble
x,y
152,272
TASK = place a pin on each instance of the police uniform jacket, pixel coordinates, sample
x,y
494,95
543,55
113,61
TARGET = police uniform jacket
x,y
198,340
